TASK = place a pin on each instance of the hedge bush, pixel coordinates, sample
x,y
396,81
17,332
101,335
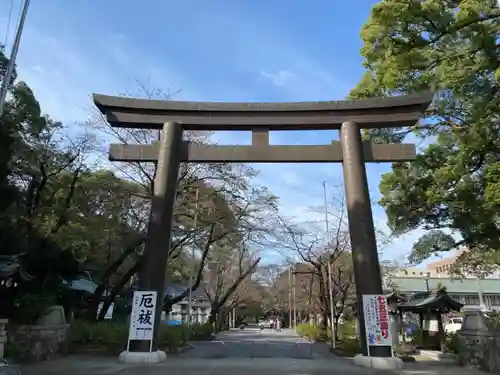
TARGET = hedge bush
x,y
452,343
311,331
111,337
349,346
347,330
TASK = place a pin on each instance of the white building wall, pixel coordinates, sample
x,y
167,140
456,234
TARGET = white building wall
x,y
199,315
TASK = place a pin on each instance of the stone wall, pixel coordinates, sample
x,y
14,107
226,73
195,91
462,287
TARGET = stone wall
x,y
3,336
37,343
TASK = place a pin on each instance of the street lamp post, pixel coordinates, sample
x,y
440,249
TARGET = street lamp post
x,y
480,293
294,306
289,296
191,269
330,286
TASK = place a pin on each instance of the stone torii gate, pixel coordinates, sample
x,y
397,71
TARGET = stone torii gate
x,y
173,117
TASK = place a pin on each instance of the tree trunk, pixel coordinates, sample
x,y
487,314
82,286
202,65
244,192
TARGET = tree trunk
x,y
108,273
118,288
214,310
337,317
441,333
221,321
168,304
212,320
324,303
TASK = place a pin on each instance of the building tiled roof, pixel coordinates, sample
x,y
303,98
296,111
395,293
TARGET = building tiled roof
x,y
433,301
175,289
462,286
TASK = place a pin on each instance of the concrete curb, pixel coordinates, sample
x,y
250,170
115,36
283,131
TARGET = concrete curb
x,y
142,358
380,363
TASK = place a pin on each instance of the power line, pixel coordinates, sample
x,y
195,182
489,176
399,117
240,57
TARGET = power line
x,y
8,24
12,61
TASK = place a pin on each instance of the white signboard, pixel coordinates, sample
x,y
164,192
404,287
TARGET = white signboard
x,y
109,313
376,315
142,317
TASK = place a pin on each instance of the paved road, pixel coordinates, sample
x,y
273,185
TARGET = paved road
x,y
198,366
247,352
256,343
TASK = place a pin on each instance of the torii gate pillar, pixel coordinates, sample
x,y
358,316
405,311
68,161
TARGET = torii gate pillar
x,y
361,228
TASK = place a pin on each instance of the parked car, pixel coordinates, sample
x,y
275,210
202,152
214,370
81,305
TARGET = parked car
x,y
453,325
264,324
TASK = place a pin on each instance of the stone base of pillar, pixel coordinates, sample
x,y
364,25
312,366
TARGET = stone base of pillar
x,y
382,363
142,358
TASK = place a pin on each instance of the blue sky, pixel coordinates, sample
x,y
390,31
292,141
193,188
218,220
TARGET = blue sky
x,y
245,50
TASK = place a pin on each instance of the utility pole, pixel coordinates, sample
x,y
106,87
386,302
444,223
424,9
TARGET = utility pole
x,y
191,269
330,287
290,297
294,302
480,294
4,89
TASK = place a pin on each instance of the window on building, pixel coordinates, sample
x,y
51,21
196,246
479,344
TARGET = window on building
x,y
495,300
472,300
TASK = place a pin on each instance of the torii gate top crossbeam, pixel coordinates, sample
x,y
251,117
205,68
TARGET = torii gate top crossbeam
x,y
368,113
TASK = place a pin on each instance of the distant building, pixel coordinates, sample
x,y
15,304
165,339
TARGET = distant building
x,y
470,291
443,266
200,311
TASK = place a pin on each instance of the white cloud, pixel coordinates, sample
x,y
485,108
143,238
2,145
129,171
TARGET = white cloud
x,y
281,78
38,69
64,70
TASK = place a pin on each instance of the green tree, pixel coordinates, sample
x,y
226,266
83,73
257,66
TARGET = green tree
x,y
39,168
451,48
